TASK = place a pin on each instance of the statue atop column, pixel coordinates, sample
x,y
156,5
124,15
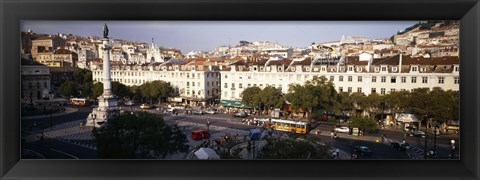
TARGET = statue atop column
x,y
107,102
105,31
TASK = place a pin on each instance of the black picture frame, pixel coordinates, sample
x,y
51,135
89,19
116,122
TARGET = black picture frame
x,y
13,12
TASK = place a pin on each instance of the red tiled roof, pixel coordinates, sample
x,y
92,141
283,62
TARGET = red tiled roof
x,y
304,62
260,62
63,51
285,62
407,60
357,62
239,63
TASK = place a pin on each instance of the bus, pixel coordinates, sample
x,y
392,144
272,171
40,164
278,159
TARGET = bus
x,y
286,125
79,101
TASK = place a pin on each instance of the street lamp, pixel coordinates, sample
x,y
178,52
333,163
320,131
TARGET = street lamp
x,y
452,153
435,139
426,137
383,110
94,116
208,125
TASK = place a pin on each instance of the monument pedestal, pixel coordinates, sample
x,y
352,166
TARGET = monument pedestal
x,y
107,109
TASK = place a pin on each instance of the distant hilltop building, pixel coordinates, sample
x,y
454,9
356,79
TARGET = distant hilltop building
x,y
353,40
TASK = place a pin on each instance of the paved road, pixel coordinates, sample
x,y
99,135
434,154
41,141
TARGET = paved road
x,y
64,139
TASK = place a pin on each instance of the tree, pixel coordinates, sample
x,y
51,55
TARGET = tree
x,y
155,90
437,104
284,148
316,94
395,101
251,96
362,122
68,88
118,89
271,97
139,135
358,101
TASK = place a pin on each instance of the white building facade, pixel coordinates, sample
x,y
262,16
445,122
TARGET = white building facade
x,y
196,84
380,76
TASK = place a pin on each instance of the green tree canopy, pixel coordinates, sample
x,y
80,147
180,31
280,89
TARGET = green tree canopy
x,y
437,104
139,135
118,89
155,91
316,94
68,88
362,122
271,97
251,96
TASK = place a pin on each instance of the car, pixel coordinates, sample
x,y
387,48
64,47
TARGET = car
x,y
171,109
395,145
342,129
404,146
129,103
145,106
211,111
400,146
240,114
197,112
362,150
418,134
200,134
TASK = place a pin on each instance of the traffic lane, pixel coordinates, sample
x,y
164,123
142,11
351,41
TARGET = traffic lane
x,y
215,122
55,149
379,150
42,123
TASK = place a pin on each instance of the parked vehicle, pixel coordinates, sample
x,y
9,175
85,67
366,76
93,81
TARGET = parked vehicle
x,y
197,112
171,109
418,134
342,129
129,103
200,134
210,111
240,114
145,106
404,146
362,150
395,145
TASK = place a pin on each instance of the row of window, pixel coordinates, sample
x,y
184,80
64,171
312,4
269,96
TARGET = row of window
x,y
393,79
178,75
374,90
30,85
240,85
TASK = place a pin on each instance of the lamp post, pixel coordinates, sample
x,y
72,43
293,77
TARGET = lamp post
x,y
426,135
452,153
94,116
383,110
435,139
208,125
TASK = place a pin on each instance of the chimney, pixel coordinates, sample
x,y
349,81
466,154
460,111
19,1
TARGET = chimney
x,y
369,63
400,64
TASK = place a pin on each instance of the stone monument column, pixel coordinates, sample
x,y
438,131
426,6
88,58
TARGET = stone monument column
x,y
107,83
107,102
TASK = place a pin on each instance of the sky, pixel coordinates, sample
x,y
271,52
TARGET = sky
x,y
207,35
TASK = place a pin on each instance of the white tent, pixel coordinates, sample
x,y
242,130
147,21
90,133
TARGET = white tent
x,y
206,153
406,118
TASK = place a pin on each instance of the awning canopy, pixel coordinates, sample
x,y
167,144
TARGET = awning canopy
x,y
232,103
206,153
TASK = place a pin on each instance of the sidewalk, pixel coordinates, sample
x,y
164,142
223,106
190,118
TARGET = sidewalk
x,y
68,110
